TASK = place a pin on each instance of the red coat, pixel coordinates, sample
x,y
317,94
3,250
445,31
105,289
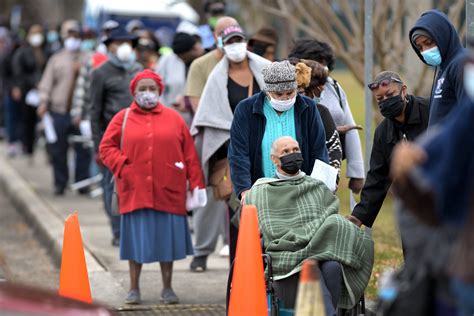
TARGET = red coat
x,y
157,158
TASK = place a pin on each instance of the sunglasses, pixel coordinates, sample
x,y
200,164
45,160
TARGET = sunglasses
x,y
382,83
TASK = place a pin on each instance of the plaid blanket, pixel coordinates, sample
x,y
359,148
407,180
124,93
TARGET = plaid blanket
x,y
298,219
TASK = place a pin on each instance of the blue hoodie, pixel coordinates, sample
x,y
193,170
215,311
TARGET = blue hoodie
x,y
448,89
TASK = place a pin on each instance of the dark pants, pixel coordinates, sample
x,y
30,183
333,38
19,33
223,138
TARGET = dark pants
x,y
29,120
59,152
233,235
331,284
108,188
12,112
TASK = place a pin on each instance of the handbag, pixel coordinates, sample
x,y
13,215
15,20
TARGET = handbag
x,y
220,180
114,204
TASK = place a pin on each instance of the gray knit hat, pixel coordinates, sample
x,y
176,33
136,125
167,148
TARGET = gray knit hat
x,y
417,33
279,76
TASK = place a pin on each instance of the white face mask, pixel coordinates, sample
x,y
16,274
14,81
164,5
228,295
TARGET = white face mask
x,y
282,105
125,53
72,43
147,100
236,52
469,80
36,39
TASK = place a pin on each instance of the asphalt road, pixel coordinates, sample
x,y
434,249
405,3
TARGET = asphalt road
x,y
23,259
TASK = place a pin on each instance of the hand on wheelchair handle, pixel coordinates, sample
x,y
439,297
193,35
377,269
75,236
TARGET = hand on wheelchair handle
x,y
354,220
242,199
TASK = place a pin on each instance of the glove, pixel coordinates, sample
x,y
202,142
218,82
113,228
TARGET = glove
x,y
198,198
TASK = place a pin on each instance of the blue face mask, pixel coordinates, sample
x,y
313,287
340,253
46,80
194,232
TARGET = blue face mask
x,y
317,99
432,56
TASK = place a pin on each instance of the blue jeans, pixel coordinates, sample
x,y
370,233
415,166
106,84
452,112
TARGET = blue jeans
x,y
108,189
12,112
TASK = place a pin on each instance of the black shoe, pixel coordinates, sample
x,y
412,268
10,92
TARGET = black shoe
x,y
84,191
116,242
59,191
199,264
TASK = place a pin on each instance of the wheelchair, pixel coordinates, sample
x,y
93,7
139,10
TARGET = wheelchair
x,y
275,304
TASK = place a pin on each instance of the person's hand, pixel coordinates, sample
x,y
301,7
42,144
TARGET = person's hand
x,y
405,157
242,199
76,120
179,104
16,94
42,109
356,184
343,129
98,161
354,220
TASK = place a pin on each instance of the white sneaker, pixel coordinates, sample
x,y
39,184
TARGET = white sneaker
x,y
224,251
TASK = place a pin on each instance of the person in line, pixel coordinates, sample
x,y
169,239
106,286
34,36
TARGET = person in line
x,y
202,67
440,49
311,77
109,94
273,113
264,43
56,90
28,65
236,77
174,68
298,219
335,99
405,118
151,183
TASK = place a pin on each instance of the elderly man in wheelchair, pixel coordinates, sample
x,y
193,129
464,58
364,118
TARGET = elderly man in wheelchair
x,y
298,219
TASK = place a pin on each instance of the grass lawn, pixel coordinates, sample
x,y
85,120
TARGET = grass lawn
x,y
385,233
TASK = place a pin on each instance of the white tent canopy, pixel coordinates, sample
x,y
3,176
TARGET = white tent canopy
x,y
158,8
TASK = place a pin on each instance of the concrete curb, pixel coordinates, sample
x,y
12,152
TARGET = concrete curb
x,y
48,224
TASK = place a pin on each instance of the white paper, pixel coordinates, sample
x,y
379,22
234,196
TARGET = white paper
x,y
326,173
85,128
198,198
49,130
32,98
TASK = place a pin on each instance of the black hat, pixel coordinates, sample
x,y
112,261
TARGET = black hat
x,y
232,31
182,43
119,34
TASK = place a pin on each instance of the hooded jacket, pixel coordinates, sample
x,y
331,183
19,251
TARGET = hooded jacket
x,y
448,89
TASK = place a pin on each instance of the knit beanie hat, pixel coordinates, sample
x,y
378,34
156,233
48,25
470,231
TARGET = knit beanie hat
x,y
279,76
182,43
417,33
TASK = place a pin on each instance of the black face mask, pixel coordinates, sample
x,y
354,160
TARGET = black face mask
x,y
291,163
392,107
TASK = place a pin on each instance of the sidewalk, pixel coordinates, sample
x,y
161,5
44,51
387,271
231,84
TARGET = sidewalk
x,y
30,189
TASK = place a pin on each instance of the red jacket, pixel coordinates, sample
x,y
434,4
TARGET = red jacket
x,y
156,160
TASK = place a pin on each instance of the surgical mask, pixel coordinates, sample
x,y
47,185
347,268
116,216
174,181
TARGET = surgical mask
x,y
125,53
317,99
432,56
101,48
469,80
72,44
88,45
291,163
236,52
36,39
147,100
52,36
282,105
392,107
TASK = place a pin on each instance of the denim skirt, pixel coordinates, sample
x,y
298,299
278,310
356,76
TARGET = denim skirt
x,y
148,235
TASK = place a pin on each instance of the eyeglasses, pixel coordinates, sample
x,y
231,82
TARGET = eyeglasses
x,y
382,83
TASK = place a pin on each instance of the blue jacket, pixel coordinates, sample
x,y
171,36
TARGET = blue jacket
x,y
246,134
448,89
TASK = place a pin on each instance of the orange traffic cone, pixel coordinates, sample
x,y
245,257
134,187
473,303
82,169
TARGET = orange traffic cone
x,y
248,294
309,301
73,278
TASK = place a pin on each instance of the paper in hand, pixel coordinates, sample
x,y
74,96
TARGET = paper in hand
x,y
325,173
49,130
